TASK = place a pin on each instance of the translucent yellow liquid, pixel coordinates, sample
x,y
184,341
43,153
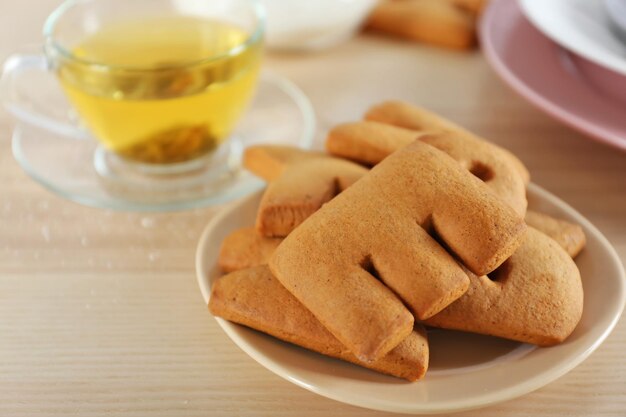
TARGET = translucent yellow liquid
x,y
168,90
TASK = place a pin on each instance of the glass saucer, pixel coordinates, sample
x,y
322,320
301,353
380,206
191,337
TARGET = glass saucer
x,y
82,171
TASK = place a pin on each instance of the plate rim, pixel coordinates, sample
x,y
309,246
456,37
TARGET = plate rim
x,y
532,95
528,386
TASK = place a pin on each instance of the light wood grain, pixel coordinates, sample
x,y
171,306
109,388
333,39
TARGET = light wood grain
x,y
100,313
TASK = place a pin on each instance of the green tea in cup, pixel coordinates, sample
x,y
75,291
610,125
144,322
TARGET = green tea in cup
x,y
160,99
162,82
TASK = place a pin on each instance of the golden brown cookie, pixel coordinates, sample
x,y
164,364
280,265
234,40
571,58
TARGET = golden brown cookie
x,y
379,227
408,116
270,161
245,248
369,142
568,235
300,183
536,296
436,22
254,298
475,7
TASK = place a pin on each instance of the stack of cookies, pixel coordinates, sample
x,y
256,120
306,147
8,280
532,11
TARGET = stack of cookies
x,y
408,221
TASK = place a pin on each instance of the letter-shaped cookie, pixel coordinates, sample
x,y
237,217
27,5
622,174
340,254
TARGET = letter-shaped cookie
x,y
568,235
536,296
405,115
474,7
370,142
300,183
245,248
437,22
254,298
377,226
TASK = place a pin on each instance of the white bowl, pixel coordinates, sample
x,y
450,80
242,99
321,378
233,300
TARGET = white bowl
x,y
310,25
616,10
581,26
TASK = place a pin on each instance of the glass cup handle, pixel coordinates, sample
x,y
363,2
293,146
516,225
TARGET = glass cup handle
x,y
31,93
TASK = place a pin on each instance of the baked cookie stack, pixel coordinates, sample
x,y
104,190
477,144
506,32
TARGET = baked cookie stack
x,y
408,220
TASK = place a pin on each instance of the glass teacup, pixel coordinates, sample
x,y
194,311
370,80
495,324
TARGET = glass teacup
x,y
159,83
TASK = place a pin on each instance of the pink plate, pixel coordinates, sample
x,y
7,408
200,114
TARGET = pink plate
x,y
548,76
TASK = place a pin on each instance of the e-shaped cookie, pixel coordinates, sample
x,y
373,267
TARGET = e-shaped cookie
x,y
408,116
300,182
350,261
536,296
254,298
369,142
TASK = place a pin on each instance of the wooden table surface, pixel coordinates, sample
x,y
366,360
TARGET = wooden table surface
x,y
100,313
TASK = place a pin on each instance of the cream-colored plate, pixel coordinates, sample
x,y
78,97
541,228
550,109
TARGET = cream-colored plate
x,y
466,371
